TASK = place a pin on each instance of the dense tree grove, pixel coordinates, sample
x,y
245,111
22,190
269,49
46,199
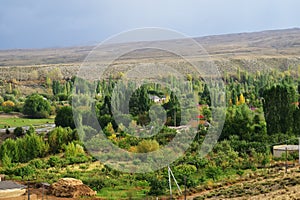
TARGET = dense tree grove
x,y
279,107
262,110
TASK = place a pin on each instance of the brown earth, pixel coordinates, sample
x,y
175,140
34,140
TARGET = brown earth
x,y
69,187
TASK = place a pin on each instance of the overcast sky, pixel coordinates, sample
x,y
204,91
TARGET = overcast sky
x,y
60,23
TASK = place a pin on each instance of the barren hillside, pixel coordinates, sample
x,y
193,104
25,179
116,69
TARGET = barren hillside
x,y
251,51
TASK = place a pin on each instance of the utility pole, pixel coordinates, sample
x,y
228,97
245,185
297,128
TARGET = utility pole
x,y
184,187
170,173
28,191
42,191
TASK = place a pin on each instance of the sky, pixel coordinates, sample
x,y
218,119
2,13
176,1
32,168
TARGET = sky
x,y
62,23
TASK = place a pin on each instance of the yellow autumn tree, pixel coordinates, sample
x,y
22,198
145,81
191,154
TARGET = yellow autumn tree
x,y
8,106
241,99
109,130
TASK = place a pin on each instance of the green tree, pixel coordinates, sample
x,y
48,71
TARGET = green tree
x,y
157,186
147,146
36,106
6,161
109,129
25,171
213,172
205,95
64,117
173,110
73,150
279,108
48,82
55,87
139,102
58,138
8,106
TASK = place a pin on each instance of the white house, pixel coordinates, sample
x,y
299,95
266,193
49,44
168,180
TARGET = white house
x,y
157,99
280,149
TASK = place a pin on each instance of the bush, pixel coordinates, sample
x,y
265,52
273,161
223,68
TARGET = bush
x,y
96,183
157,187
62,97
18,131
74,150
37,164
24,171
54,161
213,172
78,159
9,97
147,146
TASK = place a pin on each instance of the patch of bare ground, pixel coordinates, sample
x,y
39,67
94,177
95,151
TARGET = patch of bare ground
x,y
10,115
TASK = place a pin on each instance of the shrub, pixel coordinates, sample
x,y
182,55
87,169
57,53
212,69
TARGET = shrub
x,y
213,172
147,146
9,97
157,186
62,97
78,159
37,164
54,161
74,150
96,183
18,131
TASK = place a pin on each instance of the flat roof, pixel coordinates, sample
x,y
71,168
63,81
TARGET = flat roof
x,y
6,185
289,147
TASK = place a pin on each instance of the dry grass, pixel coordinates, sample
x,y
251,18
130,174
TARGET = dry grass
x,y
272,185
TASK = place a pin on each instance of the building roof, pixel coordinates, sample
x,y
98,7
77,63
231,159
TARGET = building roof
x,y
6,185
288,147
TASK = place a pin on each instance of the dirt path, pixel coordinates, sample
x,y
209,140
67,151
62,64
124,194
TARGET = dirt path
x,y
10,115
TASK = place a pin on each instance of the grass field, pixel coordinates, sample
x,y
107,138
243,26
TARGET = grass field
x,y
122,193
15,122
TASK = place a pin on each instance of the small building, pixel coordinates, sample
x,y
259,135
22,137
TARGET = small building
x,y
154,98
10,189
45,185
279,150
157,99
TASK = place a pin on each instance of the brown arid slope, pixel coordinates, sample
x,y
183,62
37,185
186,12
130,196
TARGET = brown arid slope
x,y
273,183
278,49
